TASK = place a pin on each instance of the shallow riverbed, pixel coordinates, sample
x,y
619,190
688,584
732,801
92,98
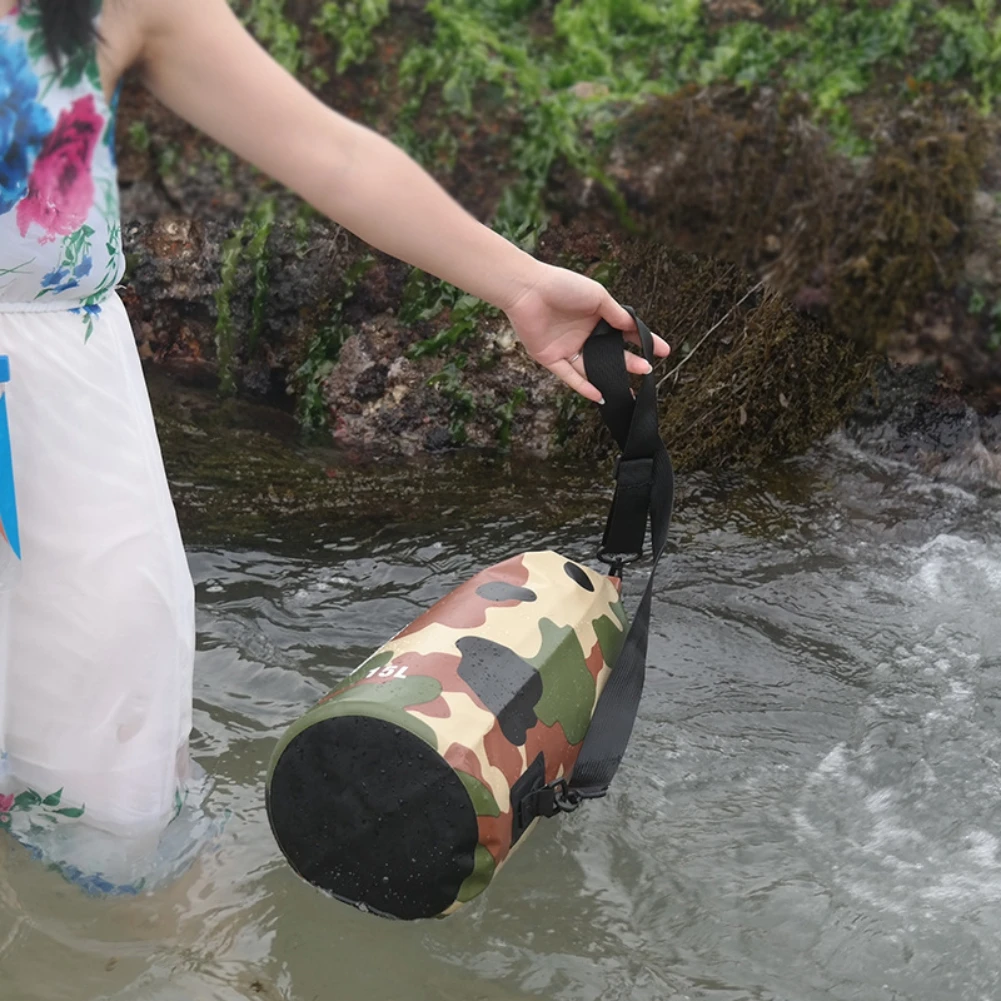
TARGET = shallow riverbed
x,y
809,811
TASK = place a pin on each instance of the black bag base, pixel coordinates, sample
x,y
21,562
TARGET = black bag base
x,y
369,813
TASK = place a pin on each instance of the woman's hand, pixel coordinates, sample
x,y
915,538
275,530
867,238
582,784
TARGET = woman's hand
x,y
556,314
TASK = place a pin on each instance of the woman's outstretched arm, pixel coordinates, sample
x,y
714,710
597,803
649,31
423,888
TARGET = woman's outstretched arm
x,y
198,59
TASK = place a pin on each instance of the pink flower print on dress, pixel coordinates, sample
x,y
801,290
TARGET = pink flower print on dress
x,y
61,188
6,805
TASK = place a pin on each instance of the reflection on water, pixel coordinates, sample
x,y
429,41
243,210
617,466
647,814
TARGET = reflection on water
x,y
809,809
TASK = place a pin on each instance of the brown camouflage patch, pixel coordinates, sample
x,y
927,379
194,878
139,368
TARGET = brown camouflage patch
x,y
551,742
465,608
495,835
439,709
595,662
502,754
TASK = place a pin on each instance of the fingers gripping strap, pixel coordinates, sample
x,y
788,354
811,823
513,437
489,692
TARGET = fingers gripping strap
x,y
644,492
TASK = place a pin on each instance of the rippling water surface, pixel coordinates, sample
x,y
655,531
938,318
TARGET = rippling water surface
x,y
809,810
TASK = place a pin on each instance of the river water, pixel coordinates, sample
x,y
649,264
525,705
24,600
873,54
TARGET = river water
x,y
810,809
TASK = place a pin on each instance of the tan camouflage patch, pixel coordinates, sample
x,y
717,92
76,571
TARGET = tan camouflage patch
x,y
563,606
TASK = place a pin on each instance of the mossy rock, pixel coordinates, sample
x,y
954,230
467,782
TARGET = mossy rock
x,y
748,178
751,377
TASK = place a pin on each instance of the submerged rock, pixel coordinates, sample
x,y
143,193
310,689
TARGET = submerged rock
x,y
907,416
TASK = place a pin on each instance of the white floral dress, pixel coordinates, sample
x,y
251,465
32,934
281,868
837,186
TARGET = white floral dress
x,y
97,637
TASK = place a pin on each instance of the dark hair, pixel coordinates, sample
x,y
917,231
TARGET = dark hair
x,y
68,26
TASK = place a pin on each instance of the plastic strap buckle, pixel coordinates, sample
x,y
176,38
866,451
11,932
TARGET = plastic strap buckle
x,y
557,797
616,561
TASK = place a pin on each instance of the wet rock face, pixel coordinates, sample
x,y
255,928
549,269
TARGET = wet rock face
x,y
382,402
752,377
963,332
173,286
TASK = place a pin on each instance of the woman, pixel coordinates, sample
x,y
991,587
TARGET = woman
x,y
98,643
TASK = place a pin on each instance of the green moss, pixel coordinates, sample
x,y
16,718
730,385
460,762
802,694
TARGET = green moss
x,y
323,349
450,384
750,377
903,225
139,136
247,243
867,241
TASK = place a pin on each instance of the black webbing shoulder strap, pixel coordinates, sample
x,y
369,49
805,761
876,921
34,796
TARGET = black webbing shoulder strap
x,y
644,493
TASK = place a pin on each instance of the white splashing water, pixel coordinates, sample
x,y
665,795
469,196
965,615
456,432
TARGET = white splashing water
x,y
906,813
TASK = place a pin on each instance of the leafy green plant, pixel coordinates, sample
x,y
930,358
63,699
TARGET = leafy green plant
x,y
464,324
139,136
424,297
969,47
349,24
267,20
505,417
168,157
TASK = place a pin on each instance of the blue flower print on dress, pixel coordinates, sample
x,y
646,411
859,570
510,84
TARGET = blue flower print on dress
x,y
90,312
53,278
24,123
60,280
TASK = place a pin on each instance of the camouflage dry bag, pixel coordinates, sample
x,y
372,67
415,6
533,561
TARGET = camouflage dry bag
x,y
513,698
